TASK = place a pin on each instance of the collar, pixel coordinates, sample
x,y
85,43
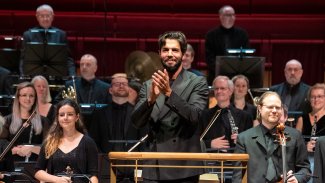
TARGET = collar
x,y
266,130
86,82
292,88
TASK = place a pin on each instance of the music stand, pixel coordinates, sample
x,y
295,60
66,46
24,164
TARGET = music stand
x,y
87,110
251,67
47,59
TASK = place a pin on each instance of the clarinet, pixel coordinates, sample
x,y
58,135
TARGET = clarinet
x,y
313,129
29,140
234,128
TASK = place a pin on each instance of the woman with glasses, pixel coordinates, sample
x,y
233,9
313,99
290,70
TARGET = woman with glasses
x,y
27,146
313,123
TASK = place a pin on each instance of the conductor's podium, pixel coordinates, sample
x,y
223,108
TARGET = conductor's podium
x,y
139,157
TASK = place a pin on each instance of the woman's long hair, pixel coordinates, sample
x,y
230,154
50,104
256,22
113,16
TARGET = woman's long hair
x,y
16,121
47,98
55,134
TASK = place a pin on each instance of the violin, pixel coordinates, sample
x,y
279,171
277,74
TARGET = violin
x,y
282,139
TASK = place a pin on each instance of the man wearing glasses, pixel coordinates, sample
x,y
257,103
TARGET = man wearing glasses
x,y
111,126
223,133
265,162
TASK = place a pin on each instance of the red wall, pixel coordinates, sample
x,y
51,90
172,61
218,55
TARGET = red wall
x,y
111,29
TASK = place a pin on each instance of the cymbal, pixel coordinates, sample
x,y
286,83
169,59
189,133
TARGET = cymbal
x,y
140,65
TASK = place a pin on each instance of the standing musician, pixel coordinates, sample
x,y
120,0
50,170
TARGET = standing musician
x,y
50,34
224,131
265,154
170,104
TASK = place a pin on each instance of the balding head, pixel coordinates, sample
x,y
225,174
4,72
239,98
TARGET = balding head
x,y
293,72
88,66
45,16
227,16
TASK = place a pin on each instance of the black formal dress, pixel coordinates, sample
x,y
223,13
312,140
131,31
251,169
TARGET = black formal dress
x,y
173,123
23,139
218,40
52,35
7,164
320,126
36,139
319,167
82,160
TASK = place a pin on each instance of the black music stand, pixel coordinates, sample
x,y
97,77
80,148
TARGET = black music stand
x,y
87,110
47,59
252,67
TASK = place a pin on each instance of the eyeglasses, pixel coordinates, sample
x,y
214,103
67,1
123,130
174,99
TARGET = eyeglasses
x,y
229,15
221,88
119,84
27,96
292,69
44,16
271,107
317,97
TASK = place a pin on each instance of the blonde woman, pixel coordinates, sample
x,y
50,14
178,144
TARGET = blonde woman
x,y
67,147
27,146
44,99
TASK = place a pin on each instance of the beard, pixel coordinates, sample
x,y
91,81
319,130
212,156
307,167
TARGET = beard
x,y
172,69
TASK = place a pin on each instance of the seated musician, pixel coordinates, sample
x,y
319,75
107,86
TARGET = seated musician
x,y
265,154
67,151
27,146
44,98
319,167
224,131
313,123
239,99
6,164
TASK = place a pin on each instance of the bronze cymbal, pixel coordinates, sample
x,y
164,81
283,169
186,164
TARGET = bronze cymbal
x,y
140,65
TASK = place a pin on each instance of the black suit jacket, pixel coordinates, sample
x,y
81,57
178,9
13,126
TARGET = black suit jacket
x,y
218,40
319,166
55,36
298,99
101,130
221,126
173,123
89,92
252,142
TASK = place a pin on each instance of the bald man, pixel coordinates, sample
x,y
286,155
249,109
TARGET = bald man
x,y
293,91
45,33
223,37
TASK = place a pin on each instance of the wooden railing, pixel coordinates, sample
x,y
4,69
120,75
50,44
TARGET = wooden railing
x,y
138,156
